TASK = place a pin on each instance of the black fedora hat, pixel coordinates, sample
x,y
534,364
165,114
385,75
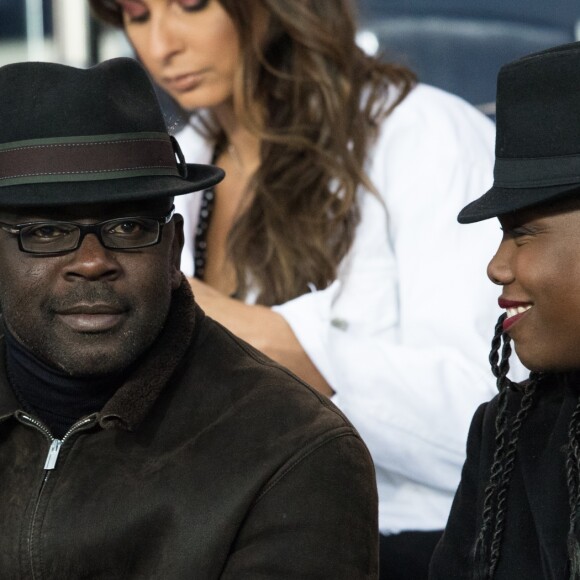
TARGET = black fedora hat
x,y
70,135
538,134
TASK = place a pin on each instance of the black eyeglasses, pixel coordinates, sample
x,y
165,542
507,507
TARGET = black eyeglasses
x,y
51,237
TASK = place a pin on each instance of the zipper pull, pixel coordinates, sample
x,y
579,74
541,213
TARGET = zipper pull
x,y
52,454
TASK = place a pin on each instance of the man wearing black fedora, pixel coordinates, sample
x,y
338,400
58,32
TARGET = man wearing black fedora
x,y
516,512
139,438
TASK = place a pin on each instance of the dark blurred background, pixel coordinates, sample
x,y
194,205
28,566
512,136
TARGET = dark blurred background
x,y
458,45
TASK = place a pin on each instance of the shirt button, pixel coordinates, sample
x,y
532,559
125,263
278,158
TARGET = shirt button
x,y
339,323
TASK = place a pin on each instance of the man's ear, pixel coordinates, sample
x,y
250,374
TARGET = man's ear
x,y
176,247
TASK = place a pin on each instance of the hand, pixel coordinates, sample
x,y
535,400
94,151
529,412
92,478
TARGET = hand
x,y
263,328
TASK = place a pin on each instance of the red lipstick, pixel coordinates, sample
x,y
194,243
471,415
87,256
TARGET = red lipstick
x,y
515,311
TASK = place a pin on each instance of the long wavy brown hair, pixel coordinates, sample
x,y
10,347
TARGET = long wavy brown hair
x,y
315,101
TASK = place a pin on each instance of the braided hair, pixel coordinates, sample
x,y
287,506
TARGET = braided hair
x,y
573,482
487,548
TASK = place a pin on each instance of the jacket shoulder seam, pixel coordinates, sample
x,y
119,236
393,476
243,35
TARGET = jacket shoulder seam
x,y
303,456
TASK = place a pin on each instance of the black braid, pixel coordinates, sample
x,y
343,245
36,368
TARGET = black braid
x,y
481,543
481,548
500,370
495,344
573,481
488,543
503,487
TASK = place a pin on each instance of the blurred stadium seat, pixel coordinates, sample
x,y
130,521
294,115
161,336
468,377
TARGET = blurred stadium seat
x,y
459,45
13,18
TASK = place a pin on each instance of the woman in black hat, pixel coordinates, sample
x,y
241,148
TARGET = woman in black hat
x,y
516,511
331,244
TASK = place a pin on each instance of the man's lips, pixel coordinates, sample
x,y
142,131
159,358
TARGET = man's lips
x,y
515,311
91,318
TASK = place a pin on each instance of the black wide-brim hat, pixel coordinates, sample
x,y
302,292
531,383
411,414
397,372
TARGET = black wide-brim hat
x,y
538,134
76,136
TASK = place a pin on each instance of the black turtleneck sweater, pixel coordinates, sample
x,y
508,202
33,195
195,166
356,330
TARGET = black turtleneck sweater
x,y
55,398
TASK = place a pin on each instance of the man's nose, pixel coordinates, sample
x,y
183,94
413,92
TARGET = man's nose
x,y
92,261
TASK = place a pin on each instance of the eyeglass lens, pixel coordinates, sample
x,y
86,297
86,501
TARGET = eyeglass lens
x,y
122,233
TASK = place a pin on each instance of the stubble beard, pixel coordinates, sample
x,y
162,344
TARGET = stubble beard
x,y
87,354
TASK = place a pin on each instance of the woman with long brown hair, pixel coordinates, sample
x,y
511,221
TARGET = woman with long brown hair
x,y
331,245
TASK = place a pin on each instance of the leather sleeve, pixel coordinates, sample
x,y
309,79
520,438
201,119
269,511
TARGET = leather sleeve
x,y
316,519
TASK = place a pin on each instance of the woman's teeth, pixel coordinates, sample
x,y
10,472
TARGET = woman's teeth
x,y
518,310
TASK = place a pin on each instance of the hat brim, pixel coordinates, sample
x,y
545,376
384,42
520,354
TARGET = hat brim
x,y
199,177
502,200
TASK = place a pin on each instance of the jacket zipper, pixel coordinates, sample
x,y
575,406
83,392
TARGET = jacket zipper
x,y
55,444
49,465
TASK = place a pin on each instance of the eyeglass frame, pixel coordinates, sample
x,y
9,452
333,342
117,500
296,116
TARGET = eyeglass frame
x,y
84,229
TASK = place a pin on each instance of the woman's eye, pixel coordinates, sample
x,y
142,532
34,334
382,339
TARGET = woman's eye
x,y
193,5
518,232
133,10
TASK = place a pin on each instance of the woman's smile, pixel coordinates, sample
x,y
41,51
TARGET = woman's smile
x,y
514,310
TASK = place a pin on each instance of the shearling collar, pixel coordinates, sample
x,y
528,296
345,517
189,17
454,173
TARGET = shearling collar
x,y
131,403
133,400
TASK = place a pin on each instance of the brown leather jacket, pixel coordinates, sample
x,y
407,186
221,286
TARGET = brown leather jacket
x,y
211,461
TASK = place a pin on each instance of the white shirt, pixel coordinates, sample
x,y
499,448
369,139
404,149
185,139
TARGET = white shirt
x,y
403,334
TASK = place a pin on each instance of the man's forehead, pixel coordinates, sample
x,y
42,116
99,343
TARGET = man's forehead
x,y
92,211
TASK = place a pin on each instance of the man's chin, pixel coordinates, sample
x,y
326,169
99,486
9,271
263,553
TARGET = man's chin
x,y
97,364
87,354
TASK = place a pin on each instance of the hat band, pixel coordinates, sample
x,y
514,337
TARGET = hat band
x,y
537,172
87,158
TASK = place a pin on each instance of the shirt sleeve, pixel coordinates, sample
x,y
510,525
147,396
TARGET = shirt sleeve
x,y
403,335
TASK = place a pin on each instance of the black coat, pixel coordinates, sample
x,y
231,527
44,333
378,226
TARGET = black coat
x,y
537,520
210,462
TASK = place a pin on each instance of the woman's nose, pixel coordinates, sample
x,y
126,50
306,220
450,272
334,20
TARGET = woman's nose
x,y
164,39
499,269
